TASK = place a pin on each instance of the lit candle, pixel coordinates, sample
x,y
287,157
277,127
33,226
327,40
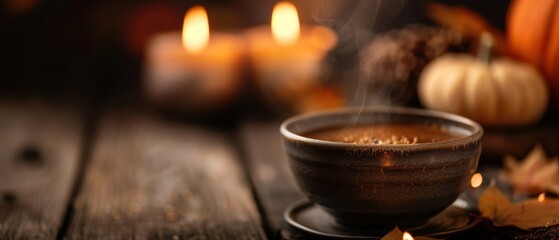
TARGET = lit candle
x,y
541,197
287,58
197,70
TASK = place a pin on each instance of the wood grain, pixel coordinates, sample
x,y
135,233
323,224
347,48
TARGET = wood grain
x,y
267,164
39,151
151,179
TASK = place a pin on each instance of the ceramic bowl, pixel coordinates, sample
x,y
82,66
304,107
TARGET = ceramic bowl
x,y
364,185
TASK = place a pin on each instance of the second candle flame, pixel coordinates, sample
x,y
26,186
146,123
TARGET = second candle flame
x,y
541,197
195,30
285,23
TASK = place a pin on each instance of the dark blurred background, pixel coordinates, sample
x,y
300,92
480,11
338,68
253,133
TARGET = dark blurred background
x,y
95,48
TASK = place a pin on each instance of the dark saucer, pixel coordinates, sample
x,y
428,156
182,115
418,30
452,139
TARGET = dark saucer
x,y
309,220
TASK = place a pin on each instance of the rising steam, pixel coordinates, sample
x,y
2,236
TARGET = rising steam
x,y
356,22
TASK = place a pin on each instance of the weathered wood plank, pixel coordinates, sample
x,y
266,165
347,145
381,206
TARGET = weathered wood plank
x,y
39,151
269,171
151,179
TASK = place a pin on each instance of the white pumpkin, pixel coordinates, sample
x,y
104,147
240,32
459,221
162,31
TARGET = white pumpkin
x,y
501,92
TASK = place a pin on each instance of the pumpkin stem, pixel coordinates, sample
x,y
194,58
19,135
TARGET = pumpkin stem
x,y
486,43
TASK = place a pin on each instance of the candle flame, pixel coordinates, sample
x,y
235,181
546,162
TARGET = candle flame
x,y
476,180
195,30
407,236
541,197
285,23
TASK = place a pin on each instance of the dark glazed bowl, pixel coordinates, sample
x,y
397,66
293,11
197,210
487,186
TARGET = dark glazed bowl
x,y
381,185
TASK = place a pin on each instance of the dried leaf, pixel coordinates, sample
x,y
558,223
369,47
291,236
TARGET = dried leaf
x,y
535,174
494,205
396,234
533,214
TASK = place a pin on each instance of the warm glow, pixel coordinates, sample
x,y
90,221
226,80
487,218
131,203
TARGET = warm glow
x,y
195,30
476,180
407,236
541,197
285,23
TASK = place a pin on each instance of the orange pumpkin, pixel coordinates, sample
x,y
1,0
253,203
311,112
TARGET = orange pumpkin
x,y
533,35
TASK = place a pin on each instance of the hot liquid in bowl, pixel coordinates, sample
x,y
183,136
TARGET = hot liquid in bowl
x,y
365,185
385,134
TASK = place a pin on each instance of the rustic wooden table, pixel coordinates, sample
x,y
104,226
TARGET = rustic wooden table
x,y
126,174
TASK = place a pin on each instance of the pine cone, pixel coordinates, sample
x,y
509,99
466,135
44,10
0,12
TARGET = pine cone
x,y
392,62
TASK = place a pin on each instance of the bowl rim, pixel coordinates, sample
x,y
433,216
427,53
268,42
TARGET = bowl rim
x,y
468,139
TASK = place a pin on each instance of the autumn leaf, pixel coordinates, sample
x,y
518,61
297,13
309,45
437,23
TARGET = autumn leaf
x,y
493,204
531,213
535,174
396,234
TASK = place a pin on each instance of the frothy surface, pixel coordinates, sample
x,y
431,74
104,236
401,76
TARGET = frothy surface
x,y
377,134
